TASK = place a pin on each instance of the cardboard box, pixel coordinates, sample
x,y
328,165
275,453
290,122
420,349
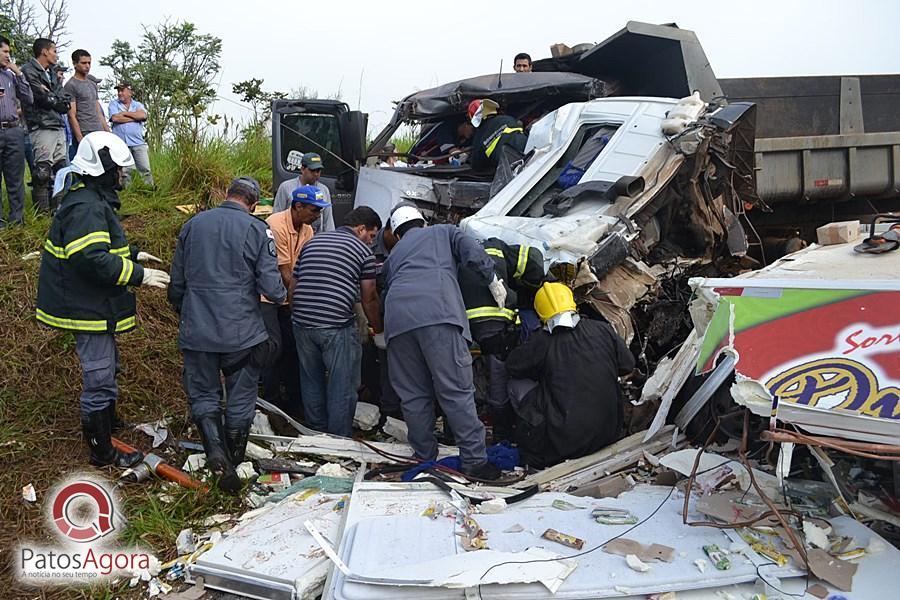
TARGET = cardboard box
x,y
841,232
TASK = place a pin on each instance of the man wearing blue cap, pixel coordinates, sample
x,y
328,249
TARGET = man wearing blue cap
x,y
292,229
310,172
224,259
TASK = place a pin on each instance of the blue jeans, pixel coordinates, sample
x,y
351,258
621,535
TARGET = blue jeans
x,y
329,366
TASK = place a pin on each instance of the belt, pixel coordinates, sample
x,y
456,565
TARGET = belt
x,y
8,124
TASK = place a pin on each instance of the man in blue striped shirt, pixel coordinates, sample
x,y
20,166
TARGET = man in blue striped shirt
x,y
334,269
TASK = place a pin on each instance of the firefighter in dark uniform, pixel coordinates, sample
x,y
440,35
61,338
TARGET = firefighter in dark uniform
x,y
493,133
86,268
224,260
497,330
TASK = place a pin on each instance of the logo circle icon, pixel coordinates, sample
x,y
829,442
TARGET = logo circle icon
x,y
83,490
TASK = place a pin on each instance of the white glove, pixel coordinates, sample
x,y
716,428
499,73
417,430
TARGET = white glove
x,y
145,256
156,278
498,291
378,338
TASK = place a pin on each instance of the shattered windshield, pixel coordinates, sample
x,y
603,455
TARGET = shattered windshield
x,y
297,131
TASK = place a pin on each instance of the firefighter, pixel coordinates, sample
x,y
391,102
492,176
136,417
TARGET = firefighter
x,y
224,259
497,330
494,133
427,334
566,395
86,268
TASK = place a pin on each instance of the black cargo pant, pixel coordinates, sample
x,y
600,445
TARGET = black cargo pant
x,y
12,168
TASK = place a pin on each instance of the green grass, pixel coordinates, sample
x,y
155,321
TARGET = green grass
x,y
404,138
40,437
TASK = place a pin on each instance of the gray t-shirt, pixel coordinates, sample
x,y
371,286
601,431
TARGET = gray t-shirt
x,y
283,202
84,92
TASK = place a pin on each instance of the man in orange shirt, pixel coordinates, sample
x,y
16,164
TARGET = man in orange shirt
x,y
292,229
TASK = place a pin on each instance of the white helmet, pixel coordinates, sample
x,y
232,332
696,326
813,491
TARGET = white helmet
x,y
405,214
87,159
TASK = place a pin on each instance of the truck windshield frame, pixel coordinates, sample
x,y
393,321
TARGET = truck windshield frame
x,y
321,127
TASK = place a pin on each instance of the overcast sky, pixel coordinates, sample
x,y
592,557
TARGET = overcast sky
x,y
378,52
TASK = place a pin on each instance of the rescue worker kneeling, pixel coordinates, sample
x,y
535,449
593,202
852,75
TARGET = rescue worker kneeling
x,y
86,268
224,260
565,388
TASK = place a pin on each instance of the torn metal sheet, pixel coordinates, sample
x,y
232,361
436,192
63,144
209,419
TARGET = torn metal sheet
x,y
273,555
670,381
817,336
385,532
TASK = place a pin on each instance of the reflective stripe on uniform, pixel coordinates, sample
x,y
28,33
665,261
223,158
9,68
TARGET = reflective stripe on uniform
x,y
485,312
82,324
123,251
493,145
127,271
95,237
494,252
521,261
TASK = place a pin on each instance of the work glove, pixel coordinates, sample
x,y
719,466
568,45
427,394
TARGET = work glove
x,y
145,256
498,291
378,338
156,278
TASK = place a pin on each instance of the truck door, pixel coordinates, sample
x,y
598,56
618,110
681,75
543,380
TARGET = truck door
x,y
329,128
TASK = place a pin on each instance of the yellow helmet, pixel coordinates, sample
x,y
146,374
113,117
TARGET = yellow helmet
x,y
553,299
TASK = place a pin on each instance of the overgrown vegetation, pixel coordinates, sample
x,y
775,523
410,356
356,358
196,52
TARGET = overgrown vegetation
x,y
40,436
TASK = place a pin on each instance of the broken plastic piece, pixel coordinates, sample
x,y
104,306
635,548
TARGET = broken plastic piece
x,y
186,542
563,538
563,505
333,470
636,564
700,564
717,556
613,516
492,507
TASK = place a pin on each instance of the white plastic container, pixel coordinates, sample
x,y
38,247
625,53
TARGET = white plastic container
x,y
684,113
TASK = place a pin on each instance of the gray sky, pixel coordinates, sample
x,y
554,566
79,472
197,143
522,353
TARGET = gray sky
x,y
397,47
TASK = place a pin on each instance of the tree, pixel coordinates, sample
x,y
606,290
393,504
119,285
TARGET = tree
x,y
21,21
259,100
172,71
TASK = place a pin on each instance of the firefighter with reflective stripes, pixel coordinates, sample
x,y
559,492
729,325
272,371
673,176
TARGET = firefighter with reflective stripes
x,y
86,268
493,132
496,330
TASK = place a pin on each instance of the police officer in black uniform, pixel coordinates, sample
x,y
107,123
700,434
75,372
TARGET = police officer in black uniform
x,y
224,260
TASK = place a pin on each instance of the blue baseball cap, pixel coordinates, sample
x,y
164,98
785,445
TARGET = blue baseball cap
x,y
309,194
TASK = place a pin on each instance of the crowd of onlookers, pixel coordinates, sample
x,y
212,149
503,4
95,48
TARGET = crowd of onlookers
x,y
44,116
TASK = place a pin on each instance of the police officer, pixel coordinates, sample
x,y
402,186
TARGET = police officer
x,y
224,260
427,334
86,268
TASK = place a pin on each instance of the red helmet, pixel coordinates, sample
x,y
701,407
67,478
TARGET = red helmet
x,y
474,105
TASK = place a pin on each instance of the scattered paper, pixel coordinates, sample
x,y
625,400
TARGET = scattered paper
x,y
396,428
700,564
245,470
818,590
255,451
334,470
158,430
28,493
216,520
261,425
157,587
653,552
516,529
492,507
835,571
194,463
186,542
816,536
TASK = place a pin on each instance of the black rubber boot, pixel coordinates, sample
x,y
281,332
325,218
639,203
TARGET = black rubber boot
x,y
97,434
484,472
117,423
236,440
217,460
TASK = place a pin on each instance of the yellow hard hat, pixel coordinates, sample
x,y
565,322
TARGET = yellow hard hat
x,y
552,299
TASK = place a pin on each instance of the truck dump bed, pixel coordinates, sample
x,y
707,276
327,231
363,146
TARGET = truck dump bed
x,y
824,138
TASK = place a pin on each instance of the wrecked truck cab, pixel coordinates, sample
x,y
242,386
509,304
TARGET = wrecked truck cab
x,y
447,192
643,193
